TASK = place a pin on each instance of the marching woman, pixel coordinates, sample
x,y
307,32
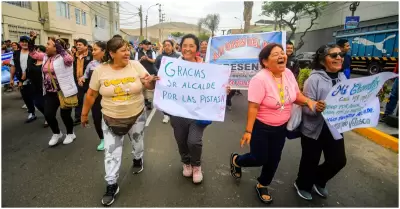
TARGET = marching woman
x,y
271,94
316,136
98,54
120,82
188,132
57,63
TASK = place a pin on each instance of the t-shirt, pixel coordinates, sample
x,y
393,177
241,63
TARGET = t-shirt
x,y
121,90
23,60
263,90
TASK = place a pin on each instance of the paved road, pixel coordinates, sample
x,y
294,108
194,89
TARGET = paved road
x,y
34,175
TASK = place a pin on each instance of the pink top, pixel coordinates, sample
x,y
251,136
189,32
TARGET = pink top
x,y
68,60
263,90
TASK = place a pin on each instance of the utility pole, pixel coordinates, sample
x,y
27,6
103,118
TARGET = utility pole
x,y
141,20
353,7
160,21
146,25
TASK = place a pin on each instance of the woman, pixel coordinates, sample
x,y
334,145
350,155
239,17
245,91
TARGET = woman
x,y
120,82
98,54
271,94
73,50
169,51
203,49
56,63
316,136
188,132
15,46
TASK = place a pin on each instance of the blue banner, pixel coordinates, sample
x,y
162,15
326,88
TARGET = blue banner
x,y
241,51
5,70
351,22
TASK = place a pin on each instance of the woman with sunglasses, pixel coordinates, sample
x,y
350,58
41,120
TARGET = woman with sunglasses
x,y
316,136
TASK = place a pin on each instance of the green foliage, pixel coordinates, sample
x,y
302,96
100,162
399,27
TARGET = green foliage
x,y
177,34
203,36
211,22
302,77
383,92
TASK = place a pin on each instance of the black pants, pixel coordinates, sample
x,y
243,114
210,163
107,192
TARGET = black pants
x,y
32,98
97,117
78,109
52,103
310,172
229,97
266,147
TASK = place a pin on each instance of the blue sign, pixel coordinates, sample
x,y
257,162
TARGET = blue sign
x,y
351,22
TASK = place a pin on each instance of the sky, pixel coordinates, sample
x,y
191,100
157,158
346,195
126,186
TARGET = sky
x,y
188,11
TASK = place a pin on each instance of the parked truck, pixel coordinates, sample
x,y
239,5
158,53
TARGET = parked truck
x,y
374,48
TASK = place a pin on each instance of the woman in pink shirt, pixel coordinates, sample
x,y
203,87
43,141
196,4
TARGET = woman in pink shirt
x,y
271,94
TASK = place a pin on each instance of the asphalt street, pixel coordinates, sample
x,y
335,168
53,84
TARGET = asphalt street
x,y
34,175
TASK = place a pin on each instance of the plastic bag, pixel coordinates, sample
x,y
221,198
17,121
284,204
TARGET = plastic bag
x,y
295,118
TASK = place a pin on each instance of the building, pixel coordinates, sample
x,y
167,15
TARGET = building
x,y
68,20
333,18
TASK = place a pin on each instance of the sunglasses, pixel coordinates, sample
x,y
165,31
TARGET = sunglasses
x,y
334,55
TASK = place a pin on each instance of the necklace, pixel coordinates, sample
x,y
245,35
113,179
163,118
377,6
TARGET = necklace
x,y
281,92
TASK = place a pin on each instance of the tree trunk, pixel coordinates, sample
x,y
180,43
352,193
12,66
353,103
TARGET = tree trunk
x,y
248,9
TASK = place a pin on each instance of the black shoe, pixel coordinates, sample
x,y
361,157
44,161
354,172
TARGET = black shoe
x,y
149,107
77,122
109,196
383,118
137,166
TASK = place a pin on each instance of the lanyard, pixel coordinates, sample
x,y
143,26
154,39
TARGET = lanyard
x,y
281,91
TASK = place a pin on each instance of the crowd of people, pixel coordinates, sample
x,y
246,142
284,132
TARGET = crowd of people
x,y
119,79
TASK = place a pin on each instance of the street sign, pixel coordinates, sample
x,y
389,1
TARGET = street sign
x,y
351,22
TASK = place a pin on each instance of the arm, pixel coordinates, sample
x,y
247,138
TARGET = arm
x,y
68,59
252,111
136,56
91,96
310,91
153,54
34,54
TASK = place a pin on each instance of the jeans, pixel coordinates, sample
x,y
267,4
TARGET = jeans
x,y
393,98
266,147
81,96
32,98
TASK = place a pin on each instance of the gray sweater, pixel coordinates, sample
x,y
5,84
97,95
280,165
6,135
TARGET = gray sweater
x,y
316,87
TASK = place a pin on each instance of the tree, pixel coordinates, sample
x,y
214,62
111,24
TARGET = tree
x,y
200,24
248,9
211,22
280,11
203,36
177,34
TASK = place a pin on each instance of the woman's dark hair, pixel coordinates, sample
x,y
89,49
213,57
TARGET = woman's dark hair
x,y
196,40
266,51
83,41
169,41
60,41
203,41
74,47
341,42
19,47
112,46
320,55
101,44
41,48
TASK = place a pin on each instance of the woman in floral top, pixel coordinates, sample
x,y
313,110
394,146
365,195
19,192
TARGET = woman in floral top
x,y
57,63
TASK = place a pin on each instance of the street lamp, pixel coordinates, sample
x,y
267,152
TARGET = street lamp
x,y
241,22
147,14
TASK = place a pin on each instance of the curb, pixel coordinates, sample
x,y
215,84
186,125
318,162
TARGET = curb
x,y
380,138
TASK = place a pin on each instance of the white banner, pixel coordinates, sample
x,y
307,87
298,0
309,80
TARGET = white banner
x,y
192,90
354,103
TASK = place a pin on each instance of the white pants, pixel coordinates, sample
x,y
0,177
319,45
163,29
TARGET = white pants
x,y
113,147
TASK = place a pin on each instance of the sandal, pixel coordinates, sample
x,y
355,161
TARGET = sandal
x,y
236,172
263,191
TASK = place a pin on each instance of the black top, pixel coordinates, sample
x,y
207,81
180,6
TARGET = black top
x,y
35,75
333,76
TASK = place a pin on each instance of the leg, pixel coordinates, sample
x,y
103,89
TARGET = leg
x,y
195,143
229,98
335,159
97,117
181,131
67,119
112,155
26,93
136,135
38,100
393,98
51,105
78,109
310,156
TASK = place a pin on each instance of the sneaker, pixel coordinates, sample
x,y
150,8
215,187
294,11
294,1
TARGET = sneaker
x,y
302,193
31,118
197,175
101,145
323,192
55,138
109,196
383,118
187,170
229,107
166,119
137,166
24,106
77,121
45,125
69,138
149,106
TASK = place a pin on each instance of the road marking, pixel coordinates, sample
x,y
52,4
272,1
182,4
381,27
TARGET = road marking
x,y
153,111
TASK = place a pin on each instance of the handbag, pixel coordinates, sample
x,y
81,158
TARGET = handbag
x,y
120,126
65,102
293,125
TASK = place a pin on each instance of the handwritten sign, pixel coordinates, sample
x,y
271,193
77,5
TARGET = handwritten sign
x,y
192,90
240,52
353,103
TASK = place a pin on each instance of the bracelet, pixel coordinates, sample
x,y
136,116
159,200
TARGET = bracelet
x,y
246,131
306,102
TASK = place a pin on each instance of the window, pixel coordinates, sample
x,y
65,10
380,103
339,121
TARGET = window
x,y
78,16
116,25
63,9
83,18
15,32
100,22
23,4
116,7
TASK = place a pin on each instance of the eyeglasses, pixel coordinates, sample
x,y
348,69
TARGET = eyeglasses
x,y
334,55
